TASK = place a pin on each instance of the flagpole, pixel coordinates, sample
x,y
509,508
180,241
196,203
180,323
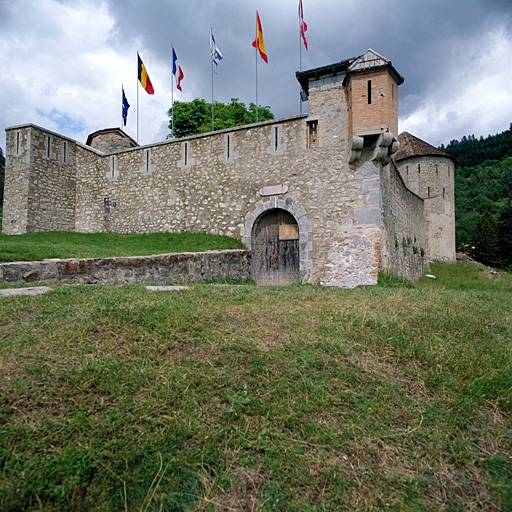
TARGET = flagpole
x,y
300,52
256,56
211,63
300,68
300,64
172,91
301,20
137,97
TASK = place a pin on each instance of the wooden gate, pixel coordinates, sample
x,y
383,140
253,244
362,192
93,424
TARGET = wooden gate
x,y
275,249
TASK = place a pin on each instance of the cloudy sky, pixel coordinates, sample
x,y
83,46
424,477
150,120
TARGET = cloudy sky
x,y
63,61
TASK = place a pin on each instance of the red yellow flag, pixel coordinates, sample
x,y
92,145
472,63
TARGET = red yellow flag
x,y
144,77
258,43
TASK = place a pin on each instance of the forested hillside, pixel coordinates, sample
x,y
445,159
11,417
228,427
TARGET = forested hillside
x,y
483,196
470,151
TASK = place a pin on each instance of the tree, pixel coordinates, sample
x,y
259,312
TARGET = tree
x,y
194,117
505,235
486,240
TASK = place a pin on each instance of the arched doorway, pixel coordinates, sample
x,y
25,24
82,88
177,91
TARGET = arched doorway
x,y
275,249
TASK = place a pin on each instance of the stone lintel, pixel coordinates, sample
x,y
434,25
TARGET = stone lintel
x,y
273,190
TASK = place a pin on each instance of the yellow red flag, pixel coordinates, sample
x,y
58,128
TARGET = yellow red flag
x,y
258,43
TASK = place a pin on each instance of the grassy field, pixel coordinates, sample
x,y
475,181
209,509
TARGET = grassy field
x,y
38,246
301,398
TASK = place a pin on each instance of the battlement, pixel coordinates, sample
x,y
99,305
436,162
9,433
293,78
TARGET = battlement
x,y
312,196
40,181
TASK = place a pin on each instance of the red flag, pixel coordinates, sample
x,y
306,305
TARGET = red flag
x,y
258,43
302,24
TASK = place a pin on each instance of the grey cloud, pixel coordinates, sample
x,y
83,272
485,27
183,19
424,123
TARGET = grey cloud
x,y
434,44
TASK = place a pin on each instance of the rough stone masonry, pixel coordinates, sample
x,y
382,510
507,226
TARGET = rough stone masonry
x,y
322,190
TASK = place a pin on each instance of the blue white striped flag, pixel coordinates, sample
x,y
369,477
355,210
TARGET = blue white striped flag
x,y
216,55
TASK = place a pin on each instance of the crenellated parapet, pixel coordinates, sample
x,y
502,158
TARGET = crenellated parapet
x,y
316,192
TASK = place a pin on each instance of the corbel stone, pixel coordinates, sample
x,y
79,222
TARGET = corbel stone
x,y
356,147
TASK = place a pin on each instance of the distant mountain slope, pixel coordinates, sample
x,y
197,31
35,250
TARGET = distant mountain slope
x,y
483,188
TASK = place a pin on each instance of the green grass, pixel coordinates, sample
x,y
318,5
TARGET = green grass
x,y
38,246
300,398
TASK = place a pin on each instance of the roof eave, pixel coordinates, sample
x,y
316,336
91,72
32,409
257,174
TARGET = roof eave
x,y
304,77
418,155
394,73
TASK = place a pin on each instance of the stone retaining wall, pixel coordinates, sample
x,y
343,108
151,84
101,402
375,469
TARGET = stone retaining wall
x,y
157,269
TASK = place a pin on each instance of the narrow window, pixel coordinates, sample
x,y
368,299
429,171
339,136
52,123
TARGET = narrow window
x,y
228,149
312,133
48,140
113,166
369,92
392,91
428,191
444,190
419,170
147,160
407,170
17,143
276,138
64,152
186,153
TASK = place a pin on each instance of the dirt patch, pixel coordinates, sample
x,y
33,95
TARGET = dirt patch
x,y
245,492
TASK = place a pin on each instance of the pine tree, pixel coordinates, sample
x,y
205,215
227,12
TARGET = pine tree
x,y
486,240
505,235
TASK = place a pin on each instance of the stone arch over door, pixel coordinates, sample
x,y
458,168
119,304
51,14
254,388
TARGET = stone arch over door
x,y
277,233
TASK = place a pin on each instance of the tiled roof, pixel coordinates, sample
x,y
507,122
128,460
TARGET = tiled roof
x,y
373,60
331,70
412,146
368,61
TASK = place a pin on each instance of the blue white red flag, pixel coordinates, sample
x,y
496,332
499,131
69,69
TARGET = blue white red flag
x,y
176,70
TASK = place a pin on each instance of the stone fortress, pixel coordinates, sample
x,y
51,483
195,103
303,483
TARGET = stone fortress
x,y
331,197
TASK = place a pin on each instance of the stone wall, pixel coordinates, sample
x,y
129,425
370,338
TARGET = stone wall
x,y
17,177
433,179
233,265
353,252
405,240
40,181
216,182
347,209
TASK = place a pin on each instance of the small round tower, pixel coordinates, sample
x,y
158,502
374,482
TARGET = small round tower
x,y
109,140
430,174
